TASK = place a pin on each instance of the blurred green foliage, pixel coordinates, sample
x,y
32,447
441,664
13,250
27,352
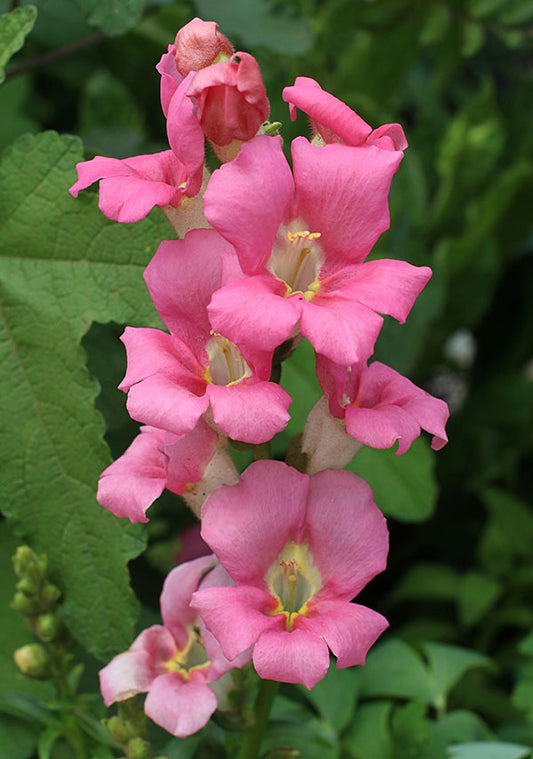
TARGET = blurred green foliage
x,y
458,75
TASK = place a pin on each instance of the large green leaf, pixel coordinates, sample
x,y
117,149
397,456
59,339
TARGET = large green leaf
x,y
404,486
63,266
14,28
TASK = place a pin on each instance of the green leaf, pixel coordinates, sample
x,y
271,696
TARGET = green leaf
x,y
257,24
14,28
448,664
313,739
404,486
459,726
488,750
508,536
113,17
336,695
434,581
394,669
64,265
370,734
477,594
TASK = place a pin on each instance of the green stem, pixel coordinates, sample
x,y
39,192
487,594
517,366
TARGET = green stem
x,y
254,734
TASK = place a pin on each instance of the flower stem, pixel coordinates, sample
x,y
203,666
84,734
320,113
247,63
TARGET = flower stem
x,y
263,704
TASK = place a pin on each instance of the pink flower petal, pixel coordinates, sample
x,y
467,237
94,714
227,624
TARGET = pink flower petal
x,y
348,629
170,77
158,400
231,97
178,588
382,426
247,525
132,483
185,135
335,121
134,671
180,708
236,616
347,533
341,329
189,456
342,192
387,286
253,312
131,187
251,411
151,351
182,276
291,657
259,183
126,675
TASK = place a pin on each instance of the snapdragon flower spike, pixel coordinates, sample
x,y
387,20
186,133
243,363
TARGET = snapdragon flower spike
x,y
174,379
299,549
190,466
302,242
175,662
379,406
333,121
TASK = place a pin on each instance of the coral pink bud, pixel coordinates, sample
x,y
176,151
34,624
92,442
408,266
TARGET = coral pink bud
x,y
198,44
231,98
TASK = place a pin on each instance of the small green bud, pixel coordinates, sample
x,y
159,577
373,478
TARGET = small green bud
x,y
33,660
28,586
47,627
119,730
50,594
138,748
26,563
24,604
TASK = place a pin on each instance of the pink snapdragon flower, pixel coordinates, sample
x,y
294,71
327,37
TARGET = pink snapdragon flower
x,y
174,379
379,406
299,549
227,102
177,662
302,242
333,121
190,466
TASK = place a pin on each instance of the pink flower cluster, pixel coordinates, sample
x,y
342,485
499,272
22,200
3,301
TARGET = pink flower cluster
x,y
268,255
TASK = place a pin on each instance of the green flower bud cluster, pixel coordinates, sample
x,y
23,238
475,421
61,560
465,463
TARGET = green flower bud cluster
x,y
128,728
36,598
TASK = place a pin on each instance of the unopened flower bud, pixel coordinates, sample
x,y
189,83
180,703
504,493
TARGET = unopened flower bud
x,y
28,586
33,660
199,44
120,730
50,594
47,627
27,564
138,748
25,604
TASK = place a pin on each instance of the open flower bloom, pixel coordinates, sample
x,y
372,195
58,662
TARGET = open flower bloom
x,y
131,187
173,379
334,121
299,549
190,466
379,406
174,662
302,242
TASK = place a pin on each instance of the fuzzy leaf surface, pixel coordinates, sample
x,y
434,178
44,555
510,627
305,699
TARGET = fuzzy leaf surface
x,y
63,266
